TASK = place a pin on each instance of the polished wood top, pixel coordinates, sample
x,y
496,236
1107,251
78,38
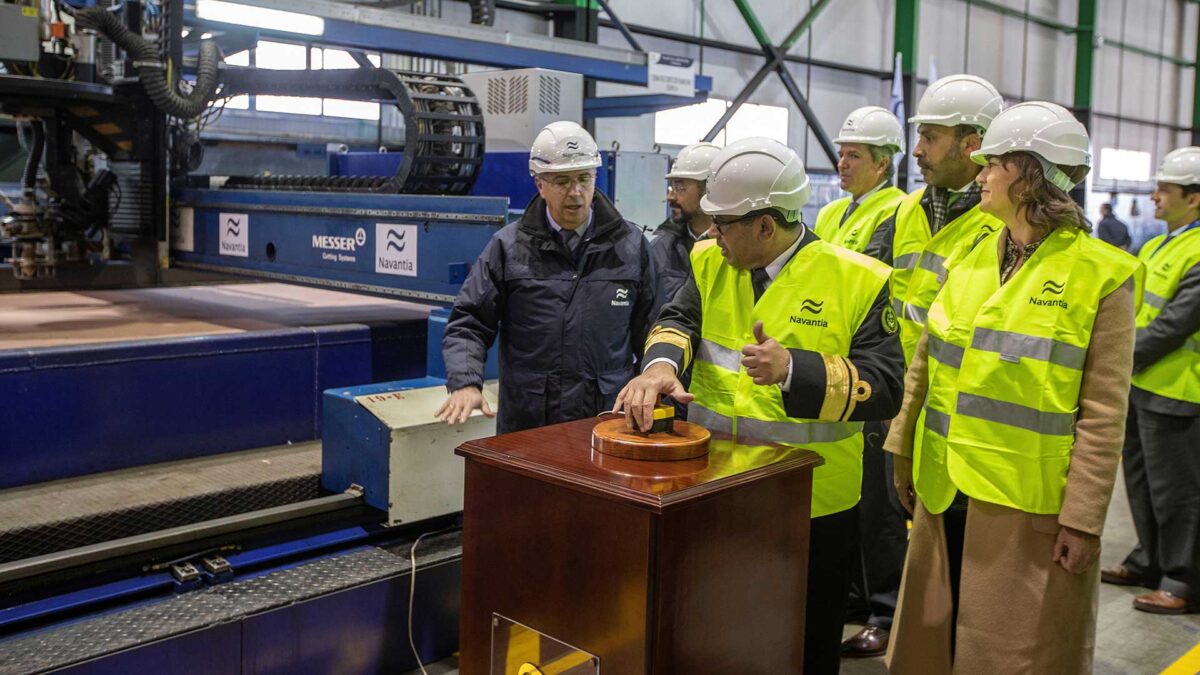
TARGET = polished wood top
x,y
684,441
562,454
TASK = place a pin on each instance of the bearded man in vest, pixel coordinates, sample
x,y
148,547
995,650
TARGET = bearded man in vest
x,y
1014,411
1162,436
794,342
867,143
935,224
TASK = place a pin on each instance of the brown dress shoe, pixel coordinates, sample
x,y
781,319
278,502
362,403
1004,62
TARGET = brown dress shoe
x,y
1162,602
1120,575
870,641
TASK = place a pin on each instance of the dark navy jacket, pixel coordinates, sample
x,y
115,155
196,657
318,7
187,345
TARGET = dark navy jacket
x,y
569,328
672,246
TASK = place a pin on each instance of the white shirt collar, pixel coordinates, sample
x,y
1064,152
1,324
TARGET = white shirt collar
x,y
559,228
872,191
776,266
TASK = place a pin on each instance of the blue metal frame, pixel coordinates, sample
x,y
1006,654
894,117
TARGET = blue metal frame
x,y
632,106
160,400
450,47
341,239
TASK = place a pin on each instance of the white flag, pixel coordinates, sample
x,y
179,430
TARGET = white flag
x,y
897,102
897,105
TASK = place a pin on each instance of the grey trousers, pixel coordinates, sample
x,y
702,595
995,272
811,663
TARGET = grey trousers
x,y
882,535
1162,476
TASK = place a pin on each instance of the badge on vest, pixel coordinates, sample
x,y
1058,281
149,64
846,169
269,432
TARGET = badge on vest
x,y
1050,288
890,324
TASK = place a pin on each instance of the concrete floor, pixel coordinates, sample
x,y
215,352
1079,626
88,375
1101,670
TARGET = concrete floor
x,y
1128,642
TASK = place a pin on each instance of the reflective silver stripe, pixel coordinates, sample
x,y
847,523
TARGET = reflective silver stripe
x,y
906,261
1014,415
937,421
914,313
1012,347
708,419
898,307
1155,301
944,352
793,433
933,263
722,357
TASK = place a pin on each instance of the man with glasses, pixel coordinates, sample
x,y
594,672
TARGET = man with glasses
x,y
568,289
794,342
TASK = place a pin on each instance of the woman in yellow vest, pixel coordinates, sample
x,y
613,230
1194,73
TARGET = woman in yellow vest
x,y
1009,438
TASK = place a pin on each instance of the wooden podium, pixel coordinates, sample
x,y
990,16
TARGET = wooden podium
x,y
579,562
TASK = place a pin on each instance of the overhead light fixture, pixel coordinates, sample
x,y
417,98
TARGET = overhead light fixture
x,y
259,17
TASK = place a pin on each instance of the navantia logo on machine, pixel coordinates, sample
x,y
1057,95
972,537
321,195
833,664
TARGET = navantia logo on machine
x,y
396,249
233,234
331,247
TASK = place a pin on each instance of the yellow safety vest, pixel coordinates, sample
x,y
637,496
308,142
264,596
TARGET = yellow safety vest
x,y
856,232
1005,367
920,261
1176,375
800,314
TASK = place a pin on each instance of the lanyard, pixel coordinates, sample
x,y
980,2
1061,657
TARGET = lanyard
x,y
1172,237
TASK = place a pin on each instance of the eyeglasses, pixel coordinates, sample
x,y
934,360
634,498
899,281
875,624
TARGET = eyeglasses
x,y
679,184
723,225
565,183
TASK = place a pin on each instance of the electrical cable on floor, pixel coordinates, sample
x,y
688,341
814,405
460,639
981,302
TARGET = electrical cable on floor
x,y
412,591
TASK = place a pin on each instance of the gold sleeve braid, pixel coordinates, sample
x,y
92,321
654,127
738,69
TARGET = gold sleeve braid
x,y
843,389
673,337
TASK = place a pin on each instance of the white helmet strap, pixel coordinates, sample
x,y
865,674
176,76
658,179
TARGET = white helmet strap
x,y
1055,175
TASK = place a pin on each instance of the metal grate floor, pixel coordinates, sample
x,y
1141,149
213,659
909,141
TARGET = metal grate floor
x,y
55,516
89,639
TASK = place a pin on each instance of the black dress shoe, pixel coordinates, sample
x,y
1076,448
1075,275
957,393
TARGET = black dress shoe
x,y
870,641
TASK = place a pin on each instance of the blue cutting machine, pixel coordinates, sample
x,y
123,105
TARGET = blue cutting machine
x,y
308,574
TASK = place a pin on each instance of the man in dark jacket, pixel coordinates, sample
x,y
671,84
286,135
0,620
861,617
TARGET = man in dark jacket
x,y
1111,229
568,289
673,240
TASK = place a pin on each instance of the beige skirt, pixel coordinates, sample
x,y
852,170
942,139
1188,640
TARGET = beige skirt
x,y
1019,611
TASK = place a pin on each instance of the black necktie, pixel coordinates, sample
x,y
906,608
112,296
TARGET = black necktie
x,y
849,210
759,279
570,239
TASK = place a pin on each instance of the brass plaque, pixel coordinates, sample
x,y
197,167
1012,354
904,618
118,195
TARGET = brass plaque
x,y
518,649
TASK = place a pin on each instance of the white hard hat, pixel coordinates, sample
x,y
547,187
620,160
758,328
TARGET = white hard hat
x,y
563,146
1180,167
959,99
872,125
1046,130
693,161
756,173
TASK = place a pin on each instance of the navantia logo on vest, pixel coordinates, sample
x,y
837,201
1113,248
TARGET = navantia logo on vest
x,y
1050,288
812,307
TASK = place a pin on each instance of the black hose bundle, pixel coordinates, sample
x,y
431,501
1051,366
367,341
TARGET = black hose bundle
x,y
29,176
483,12
154,78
